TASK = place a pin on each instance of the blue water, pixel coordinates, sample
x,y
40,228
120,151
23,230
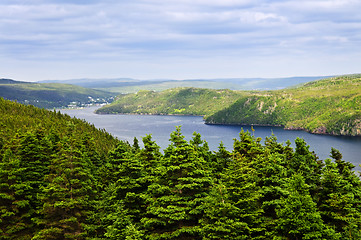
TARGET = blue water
x,y
126,127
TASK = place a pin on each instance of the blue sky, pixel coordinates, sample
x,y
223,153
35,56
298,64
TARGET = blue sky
x,y
178,39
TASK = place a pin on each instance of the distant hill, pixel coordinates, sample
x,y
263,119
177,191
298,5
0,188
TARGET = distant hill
x,y
328,106
9,81
50,95
129,85
184,101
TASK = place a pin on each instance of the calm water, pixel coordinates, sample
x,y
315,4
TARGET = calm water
x,y
126,127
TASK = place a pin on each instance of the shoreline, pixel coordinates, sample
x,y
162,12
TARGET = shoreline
x,y
323,132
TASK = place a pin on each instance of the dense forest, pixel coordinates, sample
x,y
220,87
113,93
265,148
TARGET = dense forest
x,y
61,178
328,106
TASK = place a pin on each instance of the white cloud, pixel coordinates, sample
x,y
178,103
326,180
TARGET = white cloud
x,y
153,30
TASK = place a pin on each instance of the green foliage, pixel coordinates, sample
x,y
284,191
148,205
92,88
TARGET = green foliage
x,y
298,217
178,101
329,106
60,178
68,194
51,95
18,118
176,201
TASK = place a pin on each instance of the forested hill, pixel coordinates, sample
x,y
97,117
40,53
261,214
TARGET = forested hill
x,y
51,95
17,119
61,178
328,106
187,101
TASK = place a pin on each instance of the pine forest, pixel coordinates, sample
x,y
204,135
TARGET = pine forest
x,y
62,178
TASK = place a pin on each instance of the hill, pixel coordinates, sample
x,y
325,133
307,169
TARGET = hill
x,y
129,85
51,95
328,106
18,119
181,101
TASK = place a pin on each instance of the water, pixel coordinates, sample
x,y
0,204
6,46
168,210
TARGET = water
x,y
126,127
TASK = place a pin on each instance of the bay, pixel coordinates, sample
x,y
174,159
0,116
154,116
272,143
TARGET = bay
x,y
126,127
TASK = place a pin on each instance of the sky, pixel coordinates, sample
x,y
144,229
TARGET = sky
x,y
178,39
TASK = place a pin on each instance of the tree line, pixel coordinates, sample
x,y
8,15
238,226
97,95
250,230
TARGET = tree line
x,y
67,180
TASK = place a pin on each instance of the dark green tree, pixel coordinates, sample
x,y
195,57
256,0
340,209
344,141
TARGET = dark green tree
x,y
248,146
340,200
307,163
15,208
298,216
68,197
176,198
232,210
25,164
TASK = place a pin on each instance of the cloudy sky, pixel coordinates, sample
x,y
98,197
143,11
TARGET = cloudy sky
x,y
178,39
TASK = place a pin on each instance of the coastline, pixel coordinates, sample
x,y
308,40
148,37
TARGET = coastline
x,y
320,131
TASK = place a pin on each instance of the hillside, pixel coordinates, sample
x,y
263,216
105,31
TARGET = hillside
x,y
328,106
61,178
51,95
17,119
183,101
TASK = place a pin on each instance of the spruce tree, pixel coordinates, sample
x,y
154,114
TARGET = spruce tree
x,y
15,208
23,169
298,216
307,163
122,204
232,210
68,197
340,200
176,201
34,152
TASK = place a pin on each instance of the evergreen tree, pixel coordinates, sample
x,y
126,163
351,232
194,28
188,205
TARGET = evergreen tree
x,y
232,210
223,159
130,185
15,208
113,165
150,155
176,201
68,197
136,144
248,146
340,200
113,220
122,205
271,178
298,216
23,171
306,162
34,152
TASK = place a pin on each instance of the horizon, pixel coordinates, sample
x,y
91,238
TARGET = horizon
x,y
170,79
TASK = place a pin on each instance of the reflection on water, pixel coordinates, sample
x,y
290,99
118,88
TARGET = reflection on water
x,y
126,127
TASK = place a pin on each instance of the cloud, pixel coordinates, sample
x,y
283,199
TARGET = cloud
x,y
158,31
